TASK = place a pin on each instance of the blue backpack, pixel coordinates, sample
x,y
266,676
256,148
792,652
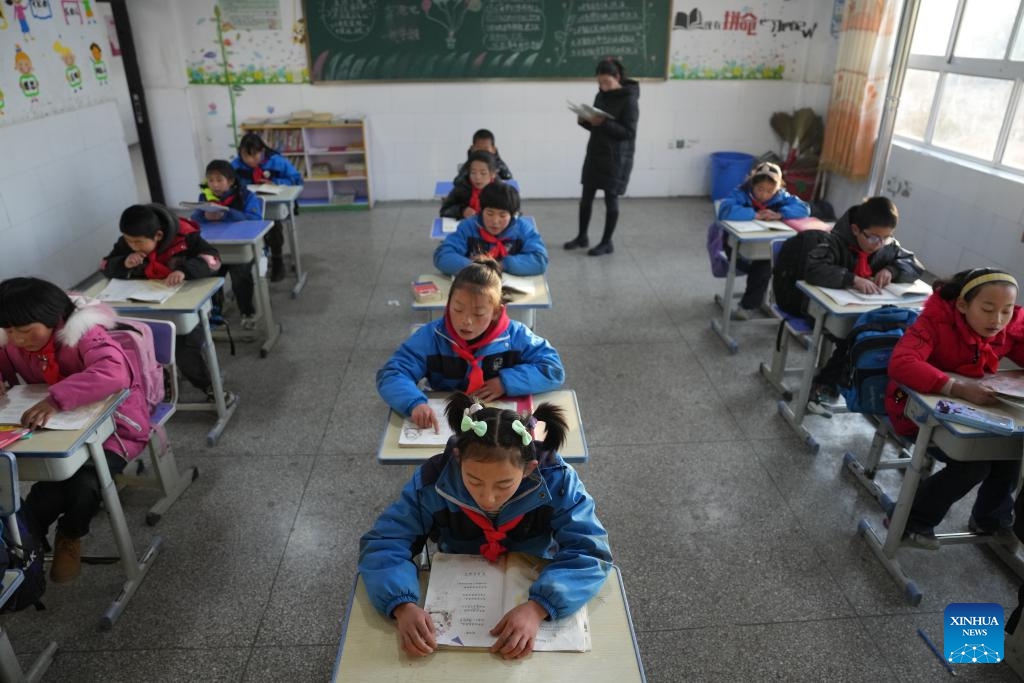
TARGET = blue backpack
x,y
862,370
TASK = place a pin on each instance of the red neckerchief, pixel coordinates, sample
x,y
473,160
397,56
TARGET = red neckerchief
x,y
464,349
498,249
48,362
493,548
226,200
986,359
156,263
474,198
258,176
862,268
758,206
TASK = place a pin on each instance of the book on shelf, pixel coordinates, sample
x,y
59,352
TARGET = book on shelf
x,y
894,293
586,111
21,397
467,596
412,436
255,121
148,291
321,117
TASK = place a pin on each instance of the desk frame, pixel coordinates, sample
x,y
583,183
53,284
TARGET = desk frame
x,y
959,443
754,246
74,448
289,195
183,309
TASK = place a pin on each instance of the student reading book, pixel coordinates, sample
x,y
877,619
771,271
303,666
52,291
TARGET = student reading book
x,y
494,489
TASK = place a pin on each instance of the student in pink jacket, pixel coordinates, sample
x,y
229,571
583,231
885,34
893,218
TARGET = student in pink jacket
x,y
46,337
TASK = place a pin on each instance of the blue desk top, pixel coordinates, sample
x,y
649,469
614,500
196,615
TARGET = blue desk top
x,y
436,233
237,232
443,187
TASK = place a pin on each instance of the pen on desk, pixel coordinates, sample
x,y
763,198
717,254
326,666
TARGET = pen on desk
x,y
935,651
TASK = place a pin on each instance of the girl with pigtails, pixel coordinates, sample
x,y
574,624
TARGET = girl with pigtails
x,y
495,489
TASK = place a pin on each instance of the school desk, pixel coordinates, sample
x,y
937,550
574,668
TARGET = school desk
x,y
240,243
188,307
838,320
370,651
958,442
753,245
443,187
527,303
437,233
289,196
574,450
55,455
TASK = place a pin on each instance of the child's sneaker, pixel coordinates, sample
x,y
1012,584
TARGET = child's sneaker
x,y
248,322
67,559
229,398
743,314
1002,534
919,539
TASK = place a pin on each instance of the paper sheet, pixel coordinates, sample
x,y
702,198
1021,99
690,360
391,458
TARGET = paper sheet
x,y
21,397
449,225
149,291
415,436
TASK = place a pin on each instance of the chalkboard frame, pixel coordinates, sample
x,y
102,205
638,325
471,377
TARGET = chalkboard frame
x,y
664,76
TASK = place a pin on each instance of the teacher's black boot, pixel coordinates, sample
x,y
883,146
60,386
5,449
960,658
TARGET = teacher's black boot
x,y
581,241
605,245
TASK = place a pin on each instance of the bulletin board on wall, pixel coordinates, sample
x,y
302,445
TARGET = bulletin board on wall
x,y
434,40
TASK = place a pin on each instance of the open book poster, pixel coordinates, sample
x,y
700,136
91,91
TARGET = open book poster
x,y
209,207
586,111
893,293
467,596
413,436
148,291
21,397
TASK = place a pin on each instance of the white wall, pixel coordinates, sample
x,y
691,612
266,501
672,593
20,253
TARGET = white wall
x,y
956,217
63,184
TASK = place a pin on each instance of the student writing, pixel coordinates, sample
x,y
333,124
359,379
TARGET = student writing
x,y
967,325
483,141
464,199
497,232
47,337
473,348
259,163
761,196
157,245
494,489
222,187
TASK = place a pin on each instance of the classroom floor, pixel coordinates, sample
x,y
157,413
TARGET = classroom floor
x,y
738,548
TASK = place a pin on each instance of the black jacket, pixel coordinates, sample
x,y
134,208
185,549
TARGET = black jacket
x,y
463,175
831,263
457,200
610,150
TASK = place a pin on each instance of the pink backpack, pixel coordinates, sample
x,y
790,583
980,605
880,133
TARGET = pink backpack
x,y
137,341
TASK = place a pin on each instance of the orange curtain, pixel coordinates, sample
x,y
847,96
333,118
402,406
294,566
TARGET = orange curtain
x,y
858,88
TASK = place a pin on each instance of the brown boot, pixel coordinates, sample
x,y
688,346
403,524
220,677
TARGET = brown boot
x,y
67,559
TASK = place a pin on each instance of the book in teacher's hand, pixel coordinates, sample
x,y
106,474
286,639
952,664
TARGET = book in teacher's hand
x,y
586,111
467,596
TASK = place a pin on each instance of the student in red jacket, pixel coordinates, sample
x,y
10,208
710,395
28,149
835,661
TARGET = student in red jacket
x,y
968,324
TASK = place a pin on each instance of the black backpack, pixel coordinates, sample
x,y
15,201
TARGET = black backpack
x,y
28,557
789,267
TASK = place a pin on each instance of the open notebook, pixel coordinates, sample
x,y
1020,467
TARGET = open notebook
x,y
148,291
203,206
467,596
21,397
266,188
898,293
757,225
518,284
413,436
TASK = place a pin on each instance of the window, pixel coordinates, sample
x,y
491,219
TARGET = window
x,y
964,79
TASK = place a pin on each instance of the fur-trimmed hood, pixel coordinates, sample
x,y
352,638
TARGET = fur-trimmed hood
x,y
88,313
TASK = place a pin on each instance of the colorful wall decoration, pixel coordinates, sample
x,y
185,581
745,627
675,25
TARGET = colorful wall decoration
x,y
53,58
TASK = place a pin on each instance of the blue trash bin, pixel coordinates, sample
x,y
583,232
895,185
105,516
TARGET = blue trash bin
x,y
728,169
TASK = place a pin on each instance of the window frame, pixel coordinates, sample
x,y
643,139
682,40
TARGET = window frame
x,y
1000,69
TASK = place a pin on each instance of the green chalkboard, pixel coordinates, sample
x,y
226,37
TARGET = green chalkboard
x,y
432,40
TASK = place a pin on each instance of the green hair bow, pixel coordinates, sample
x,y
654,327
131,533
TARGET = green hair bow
x,y
479,427
522,431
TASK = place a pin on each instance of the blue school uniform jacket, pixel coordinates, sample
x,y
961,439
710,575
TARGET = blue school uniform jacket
x,y
527,254
526,364
739,206
242,205
279,169
559,523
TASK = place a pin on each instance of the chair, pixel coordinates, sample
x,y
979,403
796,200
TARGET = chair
x,y
170,481
10,501
790,326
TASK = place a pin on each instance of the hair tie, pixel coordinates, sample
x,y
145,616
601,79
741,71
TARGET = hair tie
x,y
976,282
478,427
522,431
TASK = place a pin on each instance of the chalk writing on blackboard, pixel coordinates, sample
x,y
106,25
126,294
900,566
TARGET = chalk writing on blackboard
x,y
349,20
513,25
401,22
599,28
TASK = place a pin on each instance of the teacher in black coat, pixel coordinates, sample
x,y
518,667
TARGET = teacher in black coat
x,y
610,151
